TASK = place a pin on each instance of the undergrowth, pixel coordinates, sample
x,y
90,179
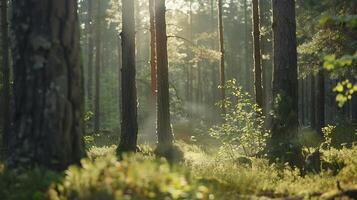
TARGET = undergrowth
x,y
198,176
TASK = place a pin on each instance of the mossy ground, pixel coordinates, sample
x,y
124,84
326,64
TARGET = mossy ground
x,y
198,176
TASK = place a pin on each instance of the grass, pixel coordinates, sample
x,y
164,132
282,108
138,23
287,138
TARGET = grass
x,y
199,176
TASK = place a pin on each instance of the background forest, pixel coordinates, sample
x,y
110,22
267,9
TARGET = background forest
x,y
178,99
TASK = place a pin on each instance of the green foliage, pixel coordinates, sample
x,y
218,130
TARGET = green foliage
x,y
134,177
30,185
243,127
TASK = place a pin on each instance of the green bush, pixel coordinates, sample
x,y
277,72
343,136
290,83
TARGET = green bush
x,y
30,185
134,177
242,129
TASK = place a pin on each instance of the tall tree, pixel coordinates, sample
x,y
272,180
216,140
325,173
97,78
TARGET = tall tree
x,y
129,125
90,54
257,55
5,70
313,101
266,52
320,102
221,49
164,132
48,85
283,142
97,69
152,47
246,47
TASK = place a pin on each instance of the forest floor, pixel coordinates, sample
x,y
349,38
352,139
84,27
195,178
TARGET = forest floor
x,y
199,175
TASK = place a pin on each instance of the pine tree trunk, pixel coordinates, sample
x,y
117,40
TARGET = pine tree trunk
x,y
320,103
48,85
267,50
246,46
164,133
90,55
221,49
313,102
97,69
257,56
284,144
129,124
152,48
5,70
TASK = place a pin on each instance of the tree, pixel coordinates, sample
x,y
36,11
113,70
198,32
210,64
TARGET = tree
x,y
152,47
164,132
129,125
5,70
221,48
48,85
283,142
266,52
90,54
97,69
257,55
320,102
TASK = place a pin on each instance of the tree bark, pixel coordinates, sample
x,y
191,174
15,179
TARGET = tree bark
x,y
257,56
320,103
313,102
284,144
129,124
246,46
48,85
164,132
5,70
267,51
97,69
90,55
221,49
152,48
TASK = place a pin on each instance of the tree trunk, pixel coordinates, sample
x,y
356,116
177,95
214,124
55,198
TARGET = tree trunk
x,y
97,70
48,85
120,65
221,49
246,45
266,49
165,137
152,48
320,103
90,55
257,56
284,144
313,102
5,70
129,124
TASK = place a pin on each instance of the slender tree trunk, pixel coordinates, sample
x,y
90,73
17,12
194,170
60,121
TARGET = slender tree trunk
x,y
164,133
120,65
221,49
48,85
284,144
313,102
320,102
90,55
246,46
303,97
97,69
257,56
152,48
129,124
5,70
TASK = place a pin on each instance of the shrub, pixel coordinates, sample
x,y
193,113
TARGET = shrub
x,y
243,127
134,177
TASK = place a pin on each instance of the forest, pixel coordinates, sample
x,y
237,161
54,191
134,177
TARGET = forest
x,y
178,99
